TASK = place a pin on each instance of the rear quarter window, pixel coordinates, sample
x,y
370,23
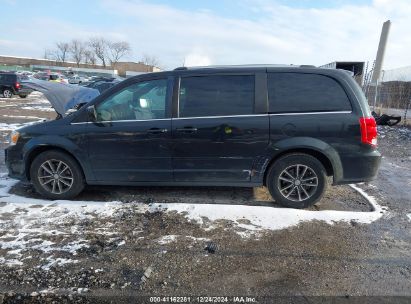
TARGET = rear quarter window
x,y
7,78
300,92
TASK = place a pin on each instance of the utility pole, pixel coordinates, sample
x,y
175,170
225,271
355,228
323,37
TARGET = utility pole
x,y
380,58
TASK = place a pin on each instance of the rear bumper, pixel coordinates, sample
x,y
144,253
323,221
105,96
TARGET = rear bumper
x,y
15,164
24,91
361,167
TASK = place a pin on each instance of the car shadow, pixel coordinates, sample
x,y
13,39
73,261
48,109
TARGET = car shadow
x,y
342,198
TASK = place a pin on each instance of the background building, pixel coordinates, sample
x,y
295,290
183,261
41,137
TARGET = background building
x,y
121,68
356,67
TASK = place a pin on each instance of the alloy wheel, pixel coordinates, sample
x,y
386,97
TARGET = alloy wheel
x,y
7,94
55,176
297,182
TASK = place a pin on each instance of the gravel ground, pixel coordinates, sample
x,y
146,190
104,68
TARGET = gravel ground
x,y
119,244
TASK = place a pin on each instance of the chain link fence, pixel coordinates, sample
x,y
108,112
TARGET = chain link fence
x,y
392,98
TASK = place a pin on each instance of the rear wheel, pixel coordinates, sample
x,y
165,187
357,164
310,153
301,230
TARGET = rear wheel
x,y
56,175
7,93
297,180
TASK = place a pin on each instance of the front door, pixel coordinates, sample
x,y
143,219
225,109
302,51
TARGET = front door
x,y
130,141
217,136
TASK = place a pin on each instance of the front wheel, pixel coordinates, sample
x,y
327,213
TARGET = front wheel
x,y
297,180
56,175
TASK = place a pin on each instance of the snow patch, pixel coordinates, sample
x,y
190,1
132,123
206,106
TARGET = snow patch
x,y
24,222
14,126
57,262
10,262
258,218
173,237
38,108
24,117
167,239
27,221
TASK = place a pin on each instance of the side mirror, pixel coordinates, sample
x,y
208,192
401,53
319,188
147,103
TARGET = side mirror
x,y
92,114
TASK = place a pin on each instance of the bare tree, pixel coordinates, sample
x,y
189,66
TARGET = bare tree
x,y
117,50
62,51
150,60
77,49
99,47
48,54
96,48
89,57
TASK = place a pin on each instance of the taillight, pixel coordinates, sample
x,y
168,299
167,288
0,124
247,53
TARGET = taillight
x,y
368,128
17,85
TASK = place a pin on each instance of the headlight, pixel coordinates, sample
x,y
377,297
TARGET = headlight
x,y
14,137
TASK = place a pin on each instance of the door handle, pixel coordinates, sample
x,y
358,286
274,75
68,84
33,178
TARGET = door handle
x,y
156,131
187,130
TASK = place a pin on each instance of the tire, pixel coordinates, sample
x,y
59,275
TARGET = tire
x,y
7,93
292,191
66,185
23,96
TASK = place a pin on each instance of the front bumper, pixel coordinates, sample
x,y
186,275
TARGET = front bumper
x,y
15,163
361,167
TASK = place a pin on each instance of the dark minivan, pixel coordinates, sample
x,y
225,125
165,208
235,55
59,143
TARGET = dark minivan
x,y
9,84
287,128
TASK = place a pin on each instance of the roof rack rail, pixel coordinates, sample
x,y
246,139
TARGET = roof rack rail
x,y
183,68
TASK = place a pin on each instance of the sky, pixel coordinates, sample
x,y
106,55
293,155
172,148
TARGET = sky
x,y
191,32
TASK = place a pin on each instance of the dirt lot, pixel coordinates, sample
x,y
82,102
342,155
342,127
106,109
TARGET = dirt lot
x,y
125,244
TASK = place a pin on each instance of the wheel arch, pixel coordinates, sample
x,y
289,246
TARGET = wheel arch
x,y
33,153
332,166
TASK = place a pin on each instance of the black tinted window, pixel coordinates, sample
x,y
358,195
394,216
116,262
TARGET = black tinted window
x,y
294,92
8,78
216,96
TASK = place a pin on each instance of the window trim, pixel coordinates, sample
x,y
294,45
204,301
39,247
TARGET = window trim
x,y
176,97
225,116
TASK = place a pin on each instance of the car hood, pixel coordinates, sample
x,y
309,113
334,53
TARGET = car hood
x,y
62,96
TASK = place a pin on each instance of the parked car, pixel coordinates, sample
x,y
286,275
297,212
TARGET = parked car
x,y
10,84
94,80
47,76
24,90
287,128
76,79
58,78
64,79
102,86
42,76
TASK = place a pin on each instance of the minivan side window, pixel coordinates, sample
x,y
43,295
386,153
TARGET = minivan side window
x,y
139,101
216,95
8,78
301,92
